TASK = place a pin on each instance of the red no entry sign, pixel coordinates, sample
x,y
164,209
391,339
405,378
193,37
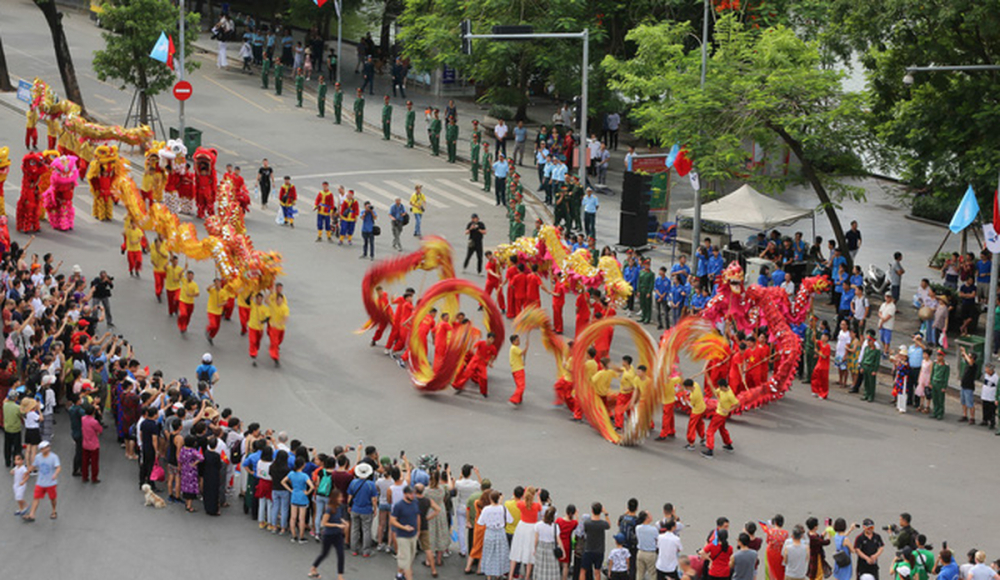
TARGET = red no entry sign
x,y
182,91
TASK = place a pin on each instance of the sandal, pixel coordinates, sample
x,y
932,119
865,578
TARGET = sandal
x,y
191,510
53,516
314,575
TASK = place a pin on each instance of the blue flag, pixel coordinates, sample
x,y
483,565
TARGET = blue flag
x,y
966,212
161,50
672,156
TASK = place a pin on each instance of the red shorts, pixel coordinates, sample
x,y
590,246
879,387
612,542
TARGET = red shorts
x,y
41,492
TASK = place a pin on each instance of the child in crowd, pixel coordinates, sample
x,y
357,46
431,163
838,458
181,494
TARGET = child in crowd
x,y
20,473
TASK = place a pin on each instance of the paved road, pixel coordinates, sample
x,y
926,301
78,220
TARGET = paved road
x,y
799,456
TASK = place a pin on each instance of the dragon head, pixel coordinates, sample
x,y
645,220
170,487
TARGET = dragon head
x,y
153,155
65,170
174,149
106,154
32,166
732,277
204,160
49,155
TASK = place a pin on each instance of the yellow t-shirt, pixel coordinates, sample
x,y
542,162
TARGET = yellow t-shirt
x,y
642,383
418,202
32,118
188,291
159,257
628,381
511,505
258,314
133,240
727,401
279,314
216,300
670,391
516,358
602,382
175,274
697,400
564,372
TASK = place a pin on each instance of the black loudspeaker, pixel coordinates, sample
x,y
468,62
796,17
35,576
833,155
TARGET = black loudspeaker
x,y
637,190
632,228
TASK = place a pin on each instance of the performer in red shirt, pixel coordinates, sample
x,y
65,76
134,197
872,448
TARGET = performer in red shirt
x,y
520,283
383,304
509,277
582,312
404,309
494,280
533,285
558,301
483,354
441,332
737,372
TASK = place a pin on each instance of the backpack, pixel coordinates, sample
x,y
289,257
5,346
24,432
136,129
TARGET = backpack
x,y
205,375
626,525
236,452
325,484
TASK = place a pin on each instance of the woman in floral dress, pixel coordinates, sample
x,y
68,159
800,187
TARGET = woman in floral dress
x,y
189,459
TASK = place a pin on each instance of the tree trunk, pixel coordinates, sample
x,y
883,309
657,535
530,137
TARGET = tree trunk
x,y
522,89
809,172
4,75
383,39
63,58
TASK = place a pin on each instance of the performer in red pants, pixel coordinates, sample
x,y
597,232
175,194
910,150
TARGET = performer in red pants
x,y
494,280
475,369
558,301
696,398
727,401
517,367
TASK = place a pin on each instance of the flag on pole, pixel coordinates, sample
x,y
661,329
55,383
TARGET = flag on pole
x,y
319,3
683,163
996,209
992,238
163,50
966,213
336,5
672,156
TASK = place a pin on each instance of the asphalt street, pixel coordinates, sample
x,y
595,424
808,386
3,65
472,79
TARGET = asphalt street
x,y
798,456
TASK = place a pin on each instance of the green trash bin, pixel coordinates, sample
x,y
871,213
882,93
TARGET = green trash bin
x,y
973,345
192,137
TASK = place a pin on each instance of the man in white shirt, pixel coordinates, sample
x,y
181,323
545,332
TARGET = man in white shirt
x,y
859,310
594,150
500,132
886,321
989,396
788,286
920,297
465,486
669,547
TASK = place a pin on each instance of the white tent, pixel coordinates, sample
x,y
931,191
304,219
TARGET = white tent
x,y
748,208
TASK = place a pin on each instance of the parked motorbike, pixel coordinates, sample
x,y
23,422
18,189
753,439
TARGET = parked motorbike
x,y
876,281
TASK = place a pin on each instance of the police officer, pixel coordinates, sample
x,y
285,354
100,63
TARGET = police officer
x,y
434,133
474,155
300,85
279,73
265,73
451,138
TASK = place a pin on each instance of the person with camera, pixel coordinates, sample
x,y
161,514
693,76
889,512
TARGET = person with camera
x,y
902,536
399,217
102,286
868,546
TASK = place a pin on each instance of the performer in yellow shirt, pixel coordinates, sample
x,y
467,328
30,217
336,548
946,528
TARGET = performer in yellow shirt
x,y
278,310
159,257
189,290
258,316
173,279
245,298
31,130
564,384
727,401
669,402
590,368
516,358
624,400
52,124
133,247
217,296
602,383
696,399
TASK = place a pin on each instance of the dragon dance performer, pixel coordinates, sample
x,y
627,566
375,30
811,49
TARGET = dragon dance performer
x,y
558,301
669,402
100,175
259,314
287,197
217,297
511,298
188,292
31,130
174,278
696,425
582,311
494,279
4,172
383,304
245,300
134,235
626,391
516,357
32,168
590,367
483,354
349,211
727,401
441,331
404,310
564,382
277,308
52,127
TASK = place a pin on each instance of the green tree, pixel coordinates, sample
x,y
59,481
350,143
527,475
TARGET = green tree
x,y
764,86
125,57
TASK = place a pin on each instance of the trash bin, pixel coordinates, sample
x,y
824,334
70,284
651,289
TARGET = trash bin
x,y
974,345
192,137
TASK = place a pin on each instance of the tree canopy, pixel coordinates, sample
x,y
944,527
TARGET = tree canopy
x,y
763,85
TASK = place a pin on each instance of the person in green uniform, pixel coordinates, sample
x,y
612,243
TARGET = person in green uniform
x,y
300,87
646,282
809,349
265,73
514,187
562,208
516,228
538,227
474,156
575,202
338,102
477,133
279,77
451,138
517,203
321,97
940,373
434,133
386,119
870,361
411,120
487,167
359,111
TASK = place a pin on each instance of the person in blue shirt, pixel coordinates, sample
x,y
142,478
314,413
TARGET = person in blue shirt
x,y
270,45
630,273
704,252
983,267
857,278
368,217
778,276
500,170
799,247
546,177
362,499
590,206
844,308
764,279
541,158
580,243
681,269
716,263
396,211
661,295
678,297
836,260
206,371
949,568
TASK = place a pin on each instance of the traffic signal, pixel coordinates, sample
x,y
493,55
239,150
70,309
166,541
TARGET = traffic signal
x,y
466,28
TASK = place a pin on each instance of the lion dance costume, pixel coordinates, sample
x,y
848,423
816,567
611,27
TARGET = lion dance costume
x,y
32,168
58,198
206,183
154,178
101,176
4,171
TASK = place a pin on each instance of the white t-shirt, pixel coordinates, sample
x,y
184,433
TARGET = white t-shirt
x,y
31,420
788,287
464,488
669,547
843,339
887,310
500,131
546,532
990,387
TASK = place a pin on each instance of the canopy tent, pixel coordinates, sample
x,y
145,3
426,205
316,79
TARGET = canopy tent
x,y
746,207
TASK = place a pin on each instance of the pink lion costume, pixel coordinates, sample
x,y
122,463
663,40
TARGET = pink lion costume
x,y
58,198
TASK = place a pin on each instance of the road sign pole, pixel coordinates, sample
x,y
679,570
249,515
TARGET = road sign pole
x,y
340,33
696,219
991,301
180,67
583,150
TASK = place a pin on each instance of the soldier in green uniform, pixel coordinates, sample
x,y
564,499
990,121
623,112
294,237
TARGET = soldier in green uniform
x,y
359,111
451,138
517,207
338,102
411,120
538,227
575,202
474,155
386,119
434,134
265,73
516,228
279,77
646,282
477,133
514,187
940,373
485,161
809,349
321,97
562,208
300,87
869,366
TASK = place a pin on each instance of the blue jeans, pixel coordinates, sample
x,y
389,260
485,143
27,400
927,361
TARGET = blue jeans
x,y
417,218
590,224
281,501
369,239
321,502
264,511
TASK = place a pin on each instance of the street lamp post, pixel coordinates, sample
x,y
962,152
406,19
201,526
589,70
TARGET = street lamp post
x,y
994,259
696,219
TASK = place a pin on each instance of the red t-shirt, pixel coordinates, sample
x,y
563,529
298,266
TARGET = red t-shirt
x,y
529,514
720,560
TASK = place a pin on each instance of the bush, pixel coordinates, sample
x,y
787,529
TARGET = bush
x,y
706,226
935,207
500,112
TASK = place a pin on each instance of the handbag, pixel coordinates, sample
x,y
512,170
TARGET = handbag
x,y
376,231
157,473
557,552
841,559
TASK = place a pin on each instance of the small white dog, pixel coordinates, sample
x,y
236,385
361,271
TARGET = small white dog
x,y
151,498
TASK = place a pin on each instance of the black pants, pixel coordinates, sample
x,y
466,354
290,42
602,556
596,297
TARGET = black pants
x,y
11,447
914,377
990,413
661,575
501,147
77,454
477,250
611,139
335,541
402,91
265,192
500,185
146,467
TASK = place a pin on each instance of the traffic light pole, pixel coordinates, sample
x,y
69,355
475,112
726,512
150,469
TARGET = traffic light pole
x,y
585,36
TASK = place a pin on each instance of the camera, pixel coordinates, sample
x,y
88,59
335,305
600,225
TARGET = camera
x,y
891,528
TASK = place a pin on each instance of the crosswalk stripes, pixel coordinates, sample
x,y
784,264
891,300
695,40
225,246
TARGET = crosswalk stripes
x,y
403,188
433,190
467,191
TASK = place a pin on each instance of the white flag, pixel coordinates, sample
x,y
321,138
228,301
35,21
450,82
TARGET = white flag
x,y
992,238
695,182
